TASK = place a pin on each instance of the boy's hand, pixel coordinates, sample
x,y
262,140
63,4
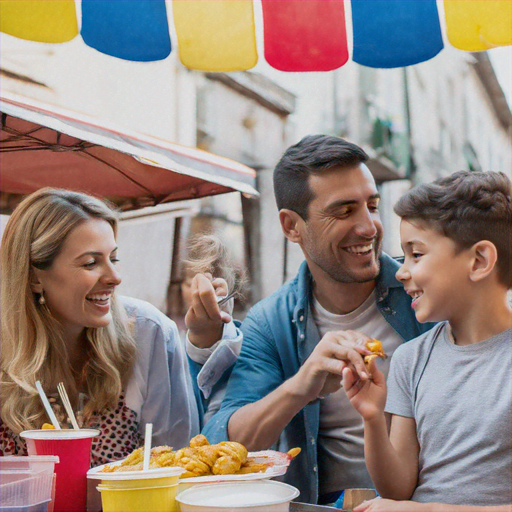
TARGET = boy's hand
x,y
367,396
204,318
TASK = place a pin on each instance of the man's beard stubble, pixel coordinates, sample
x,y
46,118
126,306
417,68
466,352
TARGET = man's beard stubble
x,y
336,271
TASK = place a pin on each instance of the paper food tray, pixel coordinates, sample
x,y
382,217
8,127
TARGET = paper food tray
x,y
280,462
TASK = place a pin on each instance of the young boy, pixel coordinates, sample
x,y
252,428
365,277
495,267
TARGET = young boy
x,y
449,390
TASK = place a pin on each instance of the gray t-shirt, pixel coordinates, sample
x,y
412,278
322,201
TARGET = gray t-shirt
x,y
460,397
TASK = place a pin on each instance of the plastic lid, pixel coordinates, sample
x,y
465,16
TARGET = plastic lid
x,y
29,458
96,474
238,496
82,433
106,487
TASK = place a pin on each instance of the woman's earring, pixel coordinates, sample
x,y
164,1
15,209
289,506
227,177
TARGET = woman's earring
x,y
42,300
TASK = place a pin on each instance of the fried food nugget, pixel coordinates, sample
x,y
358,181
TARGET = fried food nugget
x,y
294,452
186,458
377,351
251,466
231,457
164,460
136,459
198,440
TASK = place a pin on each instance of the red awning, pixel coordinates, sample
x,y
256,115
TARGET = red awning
x,y
42,145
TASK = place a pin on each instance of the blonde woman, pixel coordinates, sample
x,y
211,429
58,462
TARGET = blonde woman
x,y
120,359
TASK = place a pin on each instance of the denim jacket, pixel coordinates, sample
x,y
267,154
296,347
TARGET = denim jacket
x,y
279,334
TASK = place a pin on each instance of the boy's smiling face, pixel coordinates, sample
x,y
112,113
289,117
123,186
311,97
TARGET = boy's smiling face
x,y
434,274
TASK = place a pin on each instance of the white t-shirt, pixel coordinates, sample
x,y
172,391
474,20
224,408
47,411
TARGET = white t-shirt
x,y
340,442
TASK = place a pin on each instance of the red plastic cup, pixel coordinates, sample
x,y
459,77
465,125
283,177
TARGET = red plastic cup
x,y
73,447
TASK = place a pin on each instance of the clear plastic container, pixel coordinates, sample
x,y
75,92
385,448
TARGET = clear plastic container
x,y
26,483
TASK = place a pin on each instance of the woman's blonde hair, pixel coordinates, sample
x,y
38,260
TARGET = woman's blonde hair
x,y
32,344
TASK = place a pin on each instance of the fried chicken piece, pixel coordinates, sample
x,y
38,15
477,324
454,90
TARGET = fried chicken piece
x,y
377,351
199,440
207,454
160,456
232,456
135,457
251,466
187,458
122,469
164,460
157,451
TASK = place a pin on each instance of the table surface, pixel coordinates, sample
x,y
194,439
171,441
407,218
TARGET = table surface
x,y
296,506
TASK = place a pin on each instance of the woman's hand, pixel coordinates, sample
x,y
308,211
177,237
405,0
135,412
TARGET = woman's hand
x,y
367,396
204,318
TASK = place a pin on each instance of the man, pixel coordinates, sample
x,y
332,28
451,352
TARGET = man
x,y
285,387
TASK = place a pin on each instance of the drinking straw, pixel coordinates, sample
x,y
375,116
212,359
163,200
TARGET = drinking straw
x,y
147,445
47,406
67,405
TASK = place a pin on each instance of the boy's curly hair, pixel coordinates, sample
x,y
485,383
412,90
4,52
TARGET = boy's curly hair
x,y
466,207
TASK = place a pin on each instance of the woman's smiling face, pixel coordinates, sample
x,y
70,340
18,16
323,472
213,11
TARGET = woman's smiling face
x,y
78,286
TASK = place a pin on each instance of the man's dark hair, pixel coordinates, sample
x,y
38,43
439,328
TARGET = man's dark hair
x,y
311,155
466,207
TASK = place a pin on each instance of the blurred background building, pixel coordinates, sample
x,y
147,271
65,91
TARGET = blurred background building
x,y
416,123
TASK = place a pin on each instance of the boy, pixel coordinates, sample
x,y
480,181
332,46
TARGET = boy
x,y
450,390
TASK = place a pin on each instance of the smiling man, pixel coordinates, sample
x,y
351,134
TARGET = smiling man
x,y
285,387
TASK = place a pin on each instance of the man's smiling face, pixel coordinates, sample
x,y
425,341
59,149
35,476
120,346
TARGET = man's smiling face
x,y
343,232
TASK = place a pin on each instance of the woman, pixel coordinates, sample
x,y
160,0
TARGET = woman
x,y
120,359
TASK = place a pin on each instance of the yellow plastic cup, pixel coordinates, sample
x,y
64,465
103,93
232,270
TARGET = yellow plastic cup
x,y
153,490
139,499
140,483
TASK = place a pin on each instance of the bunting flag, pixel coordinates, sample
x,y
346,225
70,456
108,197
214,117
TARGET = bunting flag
x,y
478,24
395,33
128,29
215,35
309,35
298,35
44,21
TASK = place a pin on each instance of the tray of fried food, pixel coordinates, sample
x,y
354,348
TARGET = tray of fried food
x,y
205,462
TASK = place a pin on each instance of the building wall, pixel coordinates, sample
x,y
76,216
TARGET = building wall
x,y
235,125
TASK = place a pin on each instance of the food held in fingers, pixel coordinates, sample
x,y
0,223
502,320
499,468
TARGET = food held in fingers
x,y
375,346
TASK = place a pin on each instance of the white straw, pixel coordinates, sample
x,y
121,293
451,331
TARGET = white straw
x,y
147,445
67,404
47,406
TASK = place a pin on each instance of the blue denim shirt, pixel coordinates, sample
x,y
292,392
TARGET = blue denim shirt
x,y
279,335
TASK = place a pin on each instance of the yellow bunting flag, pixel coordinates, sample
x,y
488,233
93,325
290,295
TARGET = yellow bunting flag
x,y
475,25
45,21
215,35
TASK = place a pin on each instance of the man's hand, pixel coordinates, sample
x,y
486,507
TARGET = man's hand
x,y
321,374
204,318
367,396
